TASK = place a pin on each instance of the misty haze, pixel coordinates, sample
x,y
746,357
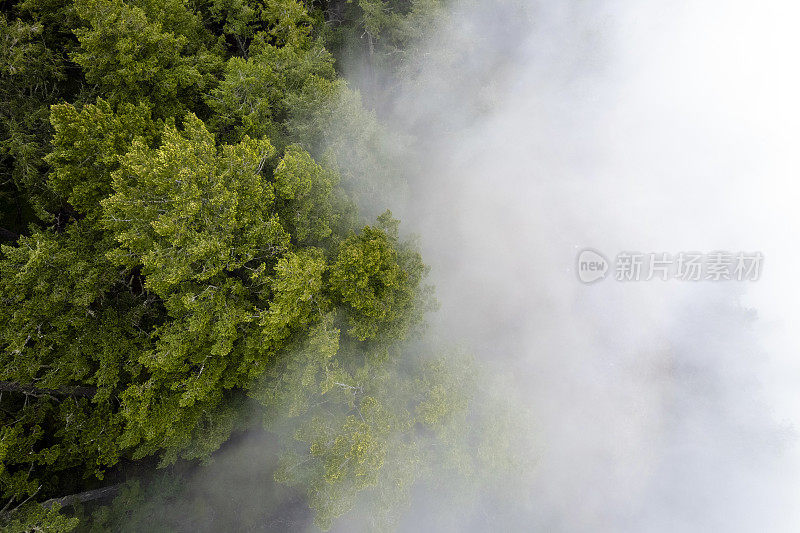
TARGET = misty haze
x,y
399,265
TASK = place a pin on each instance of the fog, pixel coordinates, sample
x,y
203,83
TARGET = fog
x,y
549,127
540,129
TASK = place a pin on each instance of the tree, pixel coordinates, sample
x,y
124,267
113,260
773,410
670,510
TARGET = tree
x,y
185,241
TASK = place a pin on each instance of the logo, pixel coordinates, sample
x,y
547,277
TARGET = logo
x,y
592,266
683,266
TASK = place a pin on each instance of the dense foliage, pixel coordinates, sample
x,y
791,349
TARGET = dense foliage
x,y
179,182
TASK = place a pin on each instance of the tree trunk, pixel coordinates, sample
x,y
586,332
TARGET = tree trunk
x,y
89,495
8,235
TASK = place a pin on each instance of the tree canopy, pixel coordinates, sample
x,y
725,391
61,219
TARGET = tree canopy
x,y
181,242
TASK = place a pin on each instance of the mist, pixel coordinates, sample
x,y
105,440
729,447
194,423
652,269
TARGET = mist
x,y
545,128
537,130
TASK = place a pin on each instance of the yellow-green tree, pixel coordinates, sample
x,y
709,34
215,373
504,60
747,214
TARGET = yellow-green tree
x,y
181,239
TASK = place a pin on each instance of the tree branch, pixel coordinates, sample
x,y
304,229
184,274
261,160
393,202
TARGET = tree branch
x,y
11,386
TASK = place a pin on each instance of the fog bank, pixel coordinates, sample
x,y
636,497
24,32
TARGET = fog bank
x,y
543,129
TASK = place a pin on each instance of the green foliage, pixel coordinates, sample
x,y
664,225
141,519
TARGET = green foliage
x,y
328,119
404,23
368,427
378,281
132,54
182,178
87,145
188,210
381,37
57,333
255,93
309,204
34,518
31,78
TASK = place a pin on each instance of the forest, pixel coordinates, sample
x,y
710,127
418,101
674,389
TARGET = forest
x,y
412,266
184,262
